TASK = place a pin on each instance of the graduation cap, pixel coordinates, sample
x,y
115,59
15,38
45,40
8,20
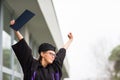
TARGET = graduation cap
x,y
22,19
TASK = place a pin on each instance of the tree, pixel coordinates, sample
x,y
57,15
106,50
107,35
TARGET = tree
x,y
115,56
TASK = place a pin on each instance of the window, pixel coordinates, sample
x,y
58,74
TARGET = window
x,y
11,67
6,76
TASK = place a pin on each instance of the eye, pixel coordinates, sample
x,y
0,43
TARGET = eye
x,y
52,54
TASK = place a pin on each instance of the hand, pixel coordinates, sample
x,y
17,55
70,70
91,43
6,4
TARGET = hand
x,y
12,22
67,44
18,34
70,36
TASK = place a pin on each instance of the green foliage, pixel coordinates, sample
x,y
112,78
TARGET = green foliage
x,y
115,56
116,78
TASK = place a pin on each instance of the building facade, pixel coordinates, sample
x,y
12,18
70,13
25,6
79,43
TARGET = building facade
x,y
43,27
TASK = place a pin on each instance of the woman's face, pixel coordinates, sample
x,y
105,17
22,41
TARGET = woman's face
x,y
49,56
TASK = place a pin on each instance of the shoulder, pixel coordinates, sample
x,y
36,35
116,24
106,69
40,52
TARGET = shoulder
x,y
22,41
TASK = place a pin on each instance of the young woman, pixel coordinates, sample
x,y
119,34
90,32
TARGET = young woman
x,y
49,64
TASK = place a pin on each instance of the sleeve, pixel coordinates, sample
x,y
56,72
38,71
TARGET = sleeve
x,y
60,56
23,53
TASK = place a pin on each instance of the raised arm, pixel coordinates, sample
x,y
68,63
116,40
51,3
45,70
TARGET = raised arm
x,y
22,51
17,33
67,44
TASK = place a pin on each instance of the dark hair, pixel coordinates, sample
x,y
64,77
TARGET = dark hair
x,y
46,47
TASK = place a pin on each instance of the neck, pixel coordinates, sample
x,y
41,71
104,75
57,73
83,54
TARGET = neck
x,y
44,63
